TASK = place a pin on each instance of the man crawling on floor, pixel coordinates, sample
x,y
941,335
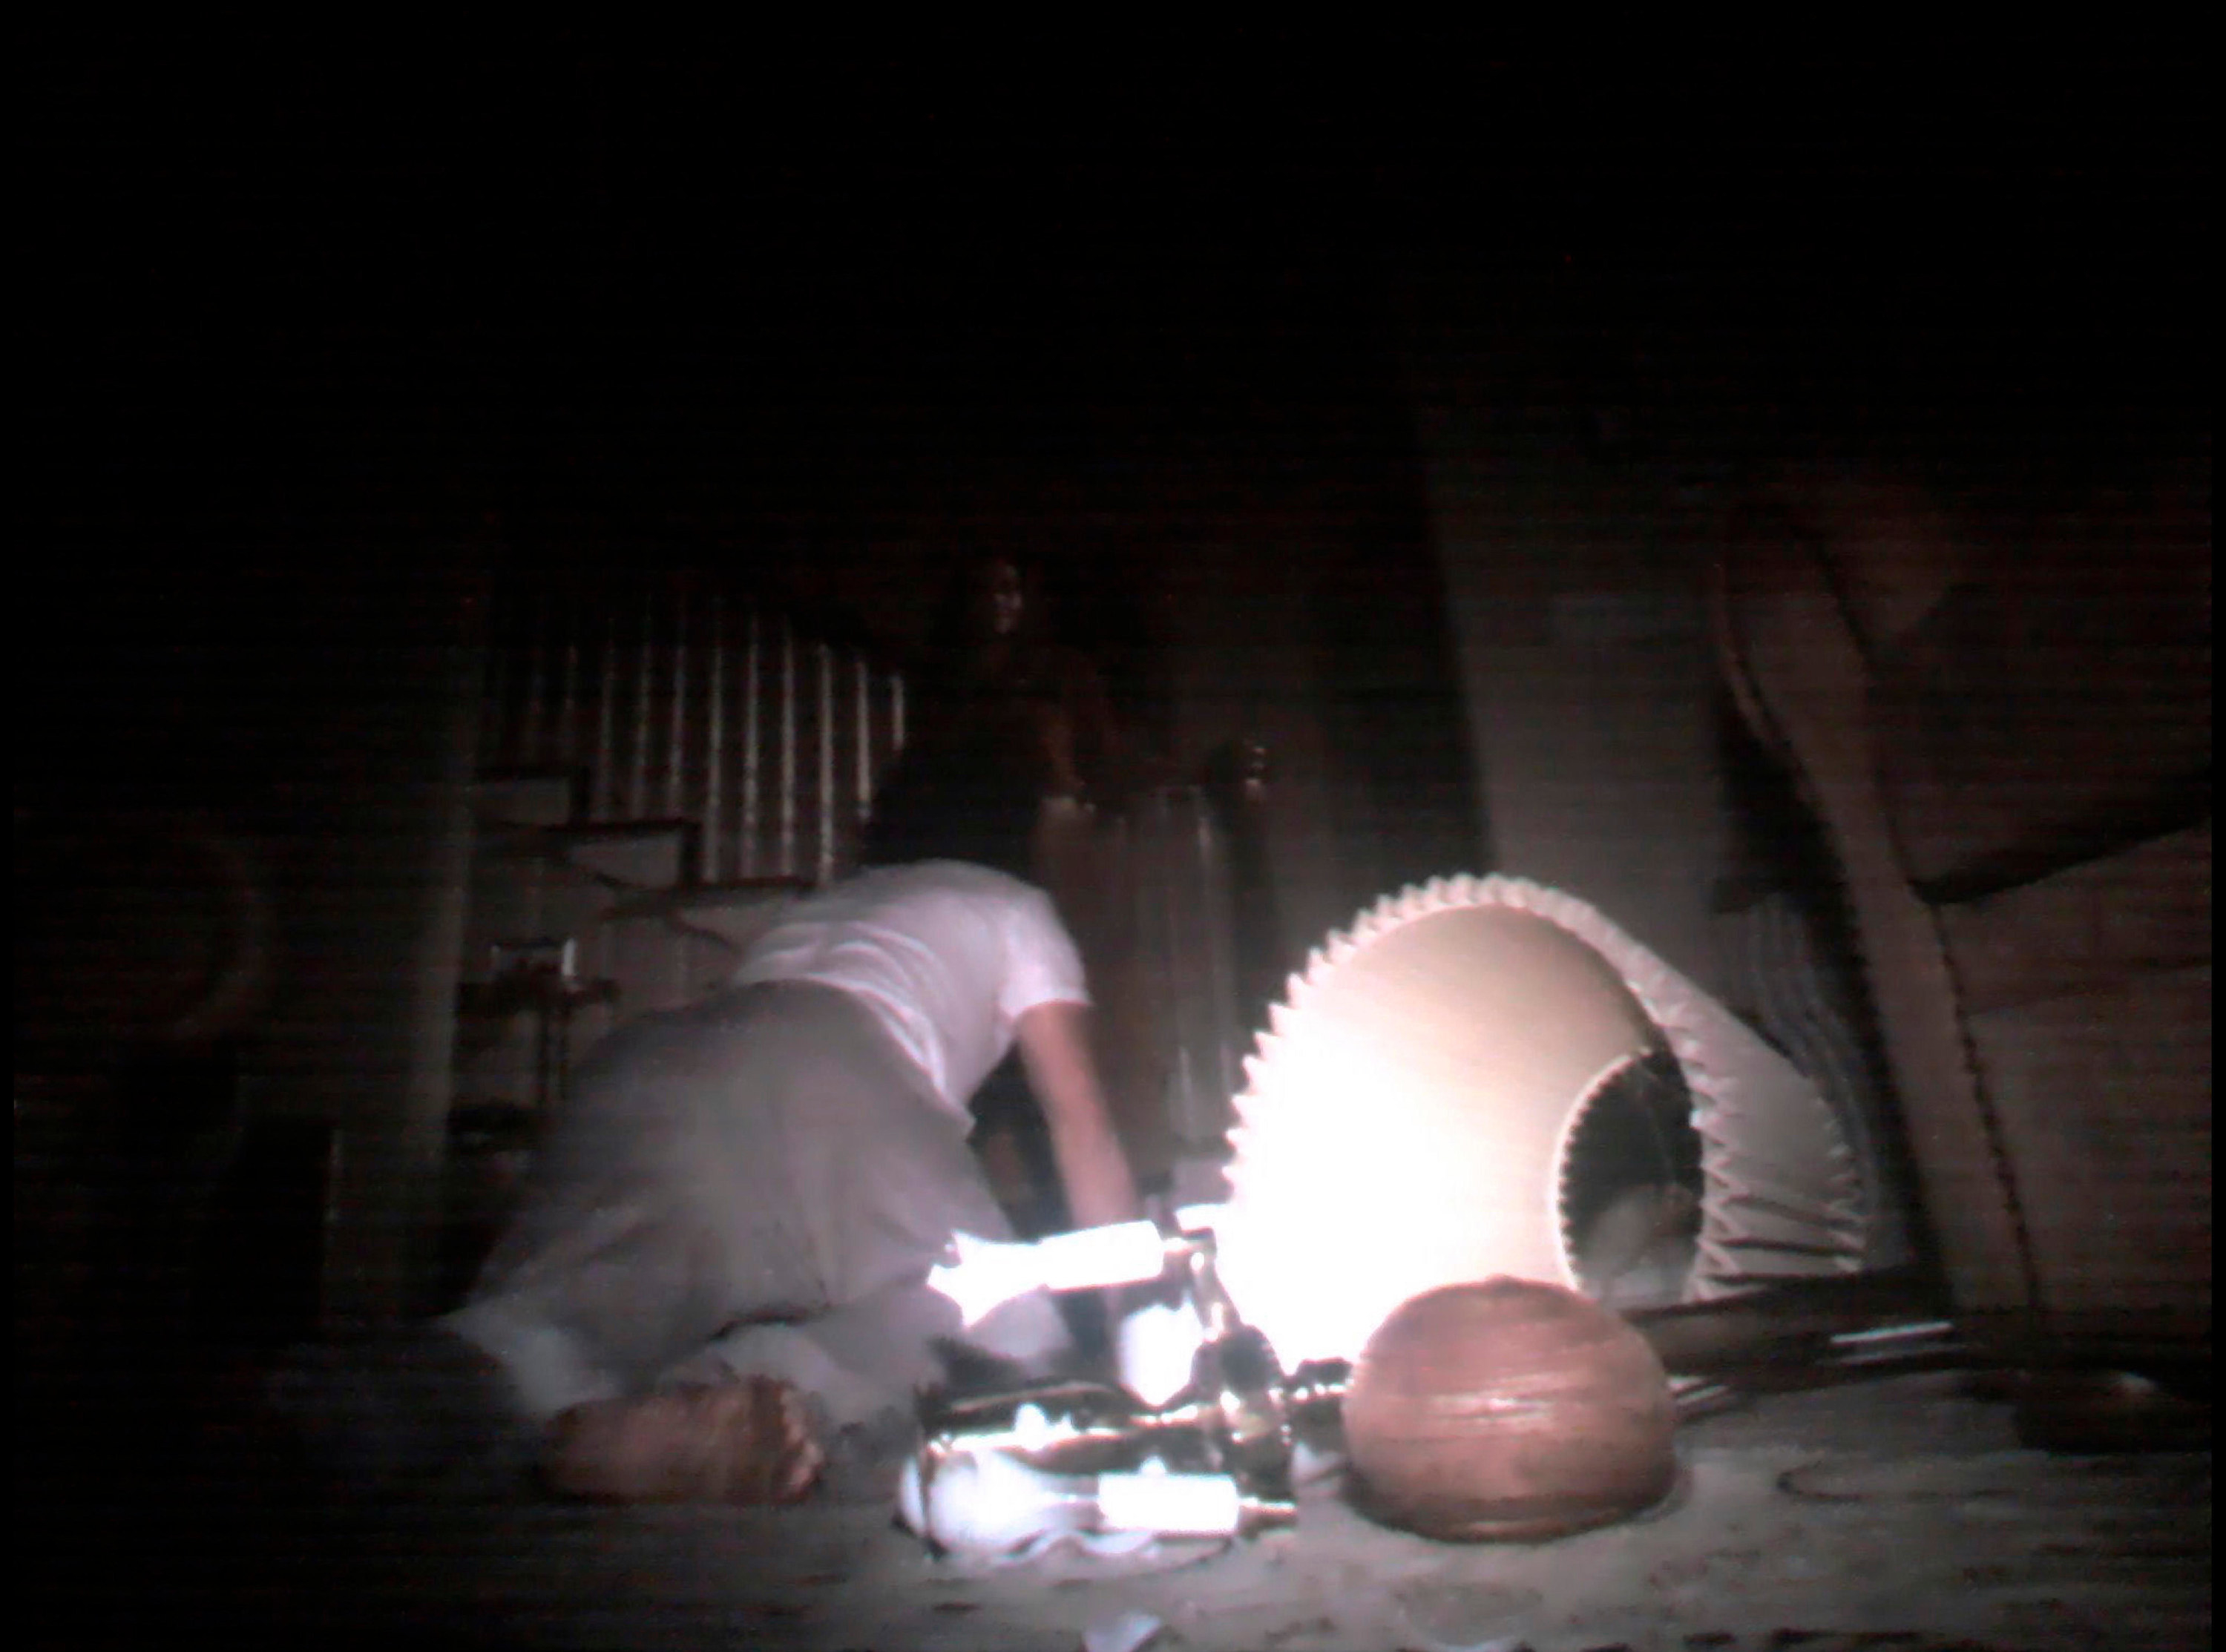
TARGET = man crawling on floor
x,y
713,1287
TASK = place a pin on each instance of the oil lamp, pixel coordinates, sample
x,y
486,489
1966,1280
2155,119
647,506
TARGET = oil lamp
x,y
1000,1470
1499,1408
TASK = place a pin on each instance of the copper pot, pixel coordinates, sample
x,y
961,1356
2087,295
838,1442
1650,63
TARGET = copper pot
x,y
1507,1409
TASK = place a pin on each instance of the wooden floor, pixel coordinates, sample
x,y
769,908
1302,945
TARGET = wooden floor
x,y
1903,1509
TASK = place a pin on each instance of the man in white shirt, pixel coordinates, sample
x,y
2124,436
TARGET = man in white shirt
x,y
719,1262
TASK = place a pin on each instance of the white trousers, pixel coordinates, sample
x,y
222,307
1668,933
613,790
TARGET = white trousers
x,y
757,1182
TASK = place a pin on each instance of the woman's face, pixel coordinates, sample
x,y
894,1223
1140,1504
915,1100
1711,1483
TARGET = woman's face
x,y
1004,597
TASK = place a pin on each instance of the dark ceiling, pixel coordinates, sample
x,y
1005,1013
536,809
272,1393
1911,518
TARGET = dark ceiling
x,y
761,294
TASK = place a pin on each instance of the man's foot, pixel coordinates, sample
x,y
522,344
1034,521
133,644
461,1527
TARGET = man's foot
x,y
748,1441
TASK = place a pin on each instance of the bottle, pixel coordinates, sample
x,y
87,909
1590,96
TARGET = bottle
x,y
983,1275
992,1502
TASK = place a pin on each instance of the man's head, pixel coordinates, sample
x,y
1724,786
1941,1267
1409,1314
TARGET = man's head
x,y
956,799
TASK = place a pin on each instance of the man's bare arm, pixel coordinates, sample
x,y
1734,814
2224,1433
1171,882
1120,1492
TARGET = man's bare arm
x,y
1054,1040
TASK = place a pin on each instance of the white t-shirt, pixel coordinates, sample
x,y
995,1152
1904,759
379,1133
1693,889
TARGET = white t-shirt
x,y
948,955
